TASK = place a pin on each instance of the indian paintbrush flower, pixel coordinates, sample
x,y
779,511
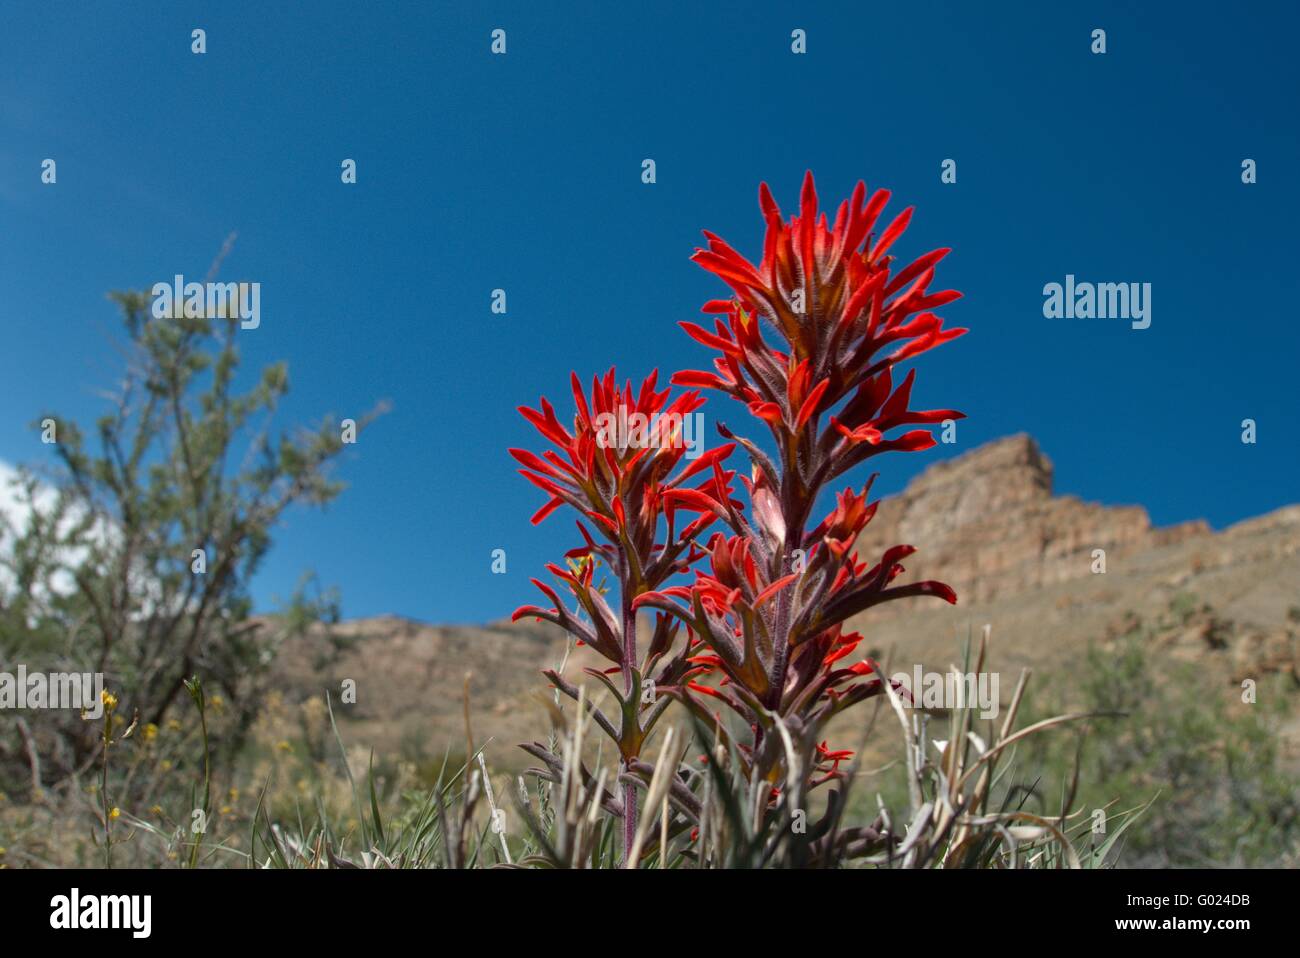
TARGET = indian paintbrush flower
x,y
646,504
810,342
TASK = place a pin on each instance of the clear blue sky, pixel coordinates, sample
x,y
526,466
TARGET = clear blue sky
x,y
523,172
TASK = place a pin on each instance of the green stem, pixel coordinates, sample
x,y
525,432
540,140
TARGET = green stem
x,y
197,694
103,791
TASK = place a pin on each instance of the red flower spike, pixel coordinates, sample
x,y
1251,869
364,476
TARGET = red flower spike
x,y
809,342
809,332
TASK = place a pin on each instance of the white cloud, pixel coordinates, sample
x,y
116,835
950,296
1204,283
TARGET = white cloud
x,y
15,515
12,507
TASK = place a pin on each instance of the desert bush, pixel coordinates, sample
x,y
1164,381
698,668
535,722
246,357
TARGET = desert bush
x,y
140,543
1182,739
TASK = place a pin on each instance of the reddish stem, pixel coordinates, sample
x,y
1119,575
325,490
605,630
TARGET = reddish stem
x,y
629,660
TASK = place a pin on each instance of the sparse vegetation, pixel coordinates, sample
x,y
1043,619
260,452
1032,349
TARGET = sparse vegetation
x,y
310,801
1207,761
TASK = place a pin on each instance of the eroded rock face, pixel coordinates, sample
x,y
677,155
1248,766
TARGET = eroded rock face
x,y
988,525
1021,561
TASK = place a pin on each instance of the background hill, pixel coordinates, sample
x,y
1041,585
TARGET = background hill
x,y
988,523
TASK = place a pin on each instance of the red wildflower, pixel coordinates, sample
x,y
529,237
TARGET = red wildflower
x,y
809,343
625,464
812,333
832,298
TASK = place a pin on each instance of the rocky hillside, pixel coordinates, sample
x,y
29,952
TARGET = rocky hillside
x,y
988,524
412,680
1021,559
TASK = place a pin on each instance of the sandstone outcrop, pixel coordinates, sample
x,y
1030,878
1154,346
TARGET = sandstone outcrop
x,y
988,524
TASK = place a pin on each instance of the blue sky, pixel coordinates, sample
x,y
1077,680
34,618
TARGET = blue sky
x,y
522,172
